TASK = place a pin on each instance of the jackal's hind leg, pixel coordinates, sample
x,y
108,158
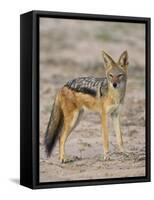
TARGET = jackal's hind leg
x,y
70,122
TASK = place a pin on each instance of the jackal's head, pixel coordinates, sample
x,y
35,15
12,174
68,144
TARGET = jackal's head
x,y
116,72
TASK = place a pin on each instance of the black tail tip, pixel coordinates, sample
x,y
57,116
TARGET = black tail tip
x,y
47,151
48,147
48,154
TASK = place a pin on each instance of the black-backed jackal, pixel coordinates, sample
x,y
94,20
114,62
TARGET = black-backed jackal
x,y
102,95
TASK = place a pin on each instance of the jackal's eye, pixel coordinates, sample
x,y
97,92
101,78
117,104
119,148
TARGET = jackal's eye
x,y
120,75
110,75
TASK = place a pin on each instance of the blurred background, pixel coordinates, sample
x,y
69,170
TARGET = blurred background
x,y
72,48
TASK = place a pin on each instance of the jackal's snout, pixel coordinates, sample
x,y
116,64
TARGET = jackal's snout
x,y
114,80
114,85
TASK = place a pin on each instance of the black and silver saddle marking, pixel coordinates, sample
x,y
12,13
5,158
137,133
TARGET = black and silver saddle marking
x,y
88,85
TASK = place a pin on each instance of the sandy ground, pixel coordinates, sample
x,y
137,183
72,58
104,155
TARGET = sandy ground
x,y
70,49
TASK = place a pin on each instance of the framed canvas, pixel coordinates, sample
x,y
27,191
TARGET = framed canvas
x,y
80,73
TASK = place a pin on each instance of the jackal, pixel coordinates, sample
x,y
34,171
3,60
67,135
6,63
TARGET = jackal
x,y
103,95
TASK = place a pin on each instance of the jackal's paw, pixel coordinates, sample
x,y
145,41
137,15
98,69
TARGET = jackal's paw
x,y
69,159
106,156
62,159
66,160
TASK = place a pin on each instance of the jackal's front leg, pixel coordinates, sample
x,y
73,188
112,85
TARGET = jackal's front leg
x,y
105,134
116,124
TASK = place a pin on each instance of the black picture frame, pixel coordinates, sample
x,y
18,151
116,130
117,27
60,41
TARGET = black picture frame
x,y
29,98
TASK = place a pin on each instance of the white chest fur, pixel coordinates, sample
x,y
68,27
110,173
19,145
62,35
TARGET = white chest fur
x,y
113,108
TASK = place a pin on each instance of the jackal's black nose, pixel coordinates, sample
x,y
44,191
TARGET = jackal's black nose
x,y
114,85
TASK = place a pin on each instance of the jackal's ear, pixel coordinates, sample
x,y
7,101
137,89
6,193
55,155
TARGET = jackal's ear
x,y
123,60
108,61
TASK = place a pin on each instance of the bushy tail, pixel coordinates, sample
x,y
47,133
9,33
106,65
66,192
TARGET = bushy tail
x,y
54,127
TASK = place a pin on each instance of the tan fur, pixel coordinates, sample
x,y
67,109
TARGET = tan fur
x,y
71,103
